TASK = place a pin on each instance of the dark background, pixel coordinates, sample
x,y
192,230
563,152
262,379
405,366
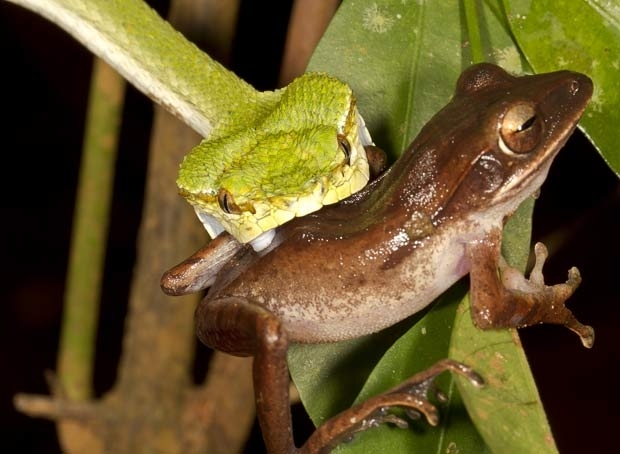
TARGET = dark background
x,y
45,79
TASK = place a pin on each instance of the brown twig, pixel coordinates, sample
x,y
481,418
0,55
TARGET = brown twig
x,y
309,19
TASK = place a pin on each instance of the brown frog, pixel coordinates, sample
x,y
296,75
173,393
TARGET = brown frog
x,y
388,251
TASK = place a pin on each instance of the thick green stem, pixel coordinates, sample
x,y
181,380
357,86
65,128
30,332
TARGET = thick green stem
x,y
90,228
158,60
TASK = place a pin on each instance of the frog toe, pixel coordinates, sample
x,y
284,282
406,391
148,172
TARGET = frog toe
x,y
547,302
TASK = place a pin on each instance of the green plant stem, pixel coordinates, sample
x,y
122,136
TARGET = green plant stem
x,y
90,228
158,60
472,24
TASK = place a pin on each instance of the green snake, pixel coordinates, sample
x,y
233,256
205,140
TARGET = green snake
x,y
266,157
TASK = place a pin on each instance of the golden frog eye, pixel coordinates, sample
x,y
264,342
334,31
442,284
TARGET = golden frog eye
x,y
345,147
227,202
521,129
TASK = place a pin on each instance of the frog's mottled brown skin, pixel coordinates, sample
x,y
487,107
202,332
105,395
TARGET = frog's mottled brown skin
x,y
388,251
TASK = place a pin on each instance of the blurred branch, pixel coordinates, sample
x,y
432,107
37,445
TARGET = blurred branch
x,y
216,31
90,229
309,19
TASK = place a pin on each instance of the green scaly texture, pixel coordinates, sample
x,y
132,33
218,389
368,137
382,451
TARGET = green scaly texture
x,y
310,105
289,161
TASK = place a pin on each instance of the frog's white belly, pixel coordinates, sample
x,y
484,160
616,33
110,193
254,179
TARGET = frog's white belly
x,y
345,311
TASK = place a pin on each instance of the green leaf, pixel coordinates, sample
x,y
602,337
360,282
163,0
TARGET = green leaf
x,y
401,58
507,411
582,36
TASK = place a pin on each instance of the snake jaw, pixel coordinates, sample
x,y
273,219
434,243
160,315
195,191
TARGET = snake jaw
x,y
263,240
362,131
211,224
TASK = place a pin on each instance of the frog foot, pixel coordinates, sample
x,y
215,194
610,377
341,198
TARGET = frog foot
x,y
412,396
547,303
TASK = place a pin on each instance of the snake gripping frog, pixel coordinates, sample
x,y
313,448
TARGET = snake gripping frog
x,y
388,251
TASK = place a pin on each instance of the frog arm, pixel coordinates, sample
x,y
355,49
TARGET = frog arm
x,y
155,58
508,299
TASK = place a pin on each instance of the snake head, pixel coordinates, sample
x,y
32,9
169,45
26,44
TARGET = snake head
x,y
305,150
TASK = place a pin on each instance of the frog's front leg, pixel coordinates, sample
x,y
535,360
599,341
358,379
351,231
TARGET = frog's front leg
x,y
511,300
238,327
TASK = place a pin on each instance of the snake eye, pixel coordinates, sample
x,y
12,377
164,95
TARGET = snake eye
x,y
520,130
345,147
227,202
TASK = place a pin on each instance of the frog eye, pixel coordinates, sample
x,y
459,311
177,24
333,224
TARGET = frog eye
x,y
227,202
520,130
345,147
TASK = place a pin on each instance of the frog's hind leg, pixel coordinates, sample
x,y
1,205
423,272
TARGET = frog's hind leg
x,y
235,326
411,396
238,327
